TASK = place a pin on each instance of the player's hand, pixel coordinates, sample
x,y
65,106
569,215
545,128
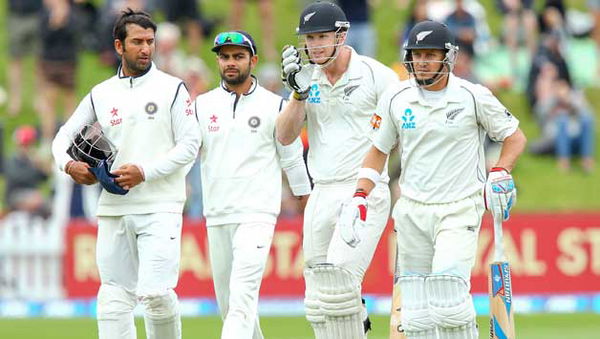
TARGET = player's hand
x,y
128,176
78,170
353,217
302,200
500,193
295,76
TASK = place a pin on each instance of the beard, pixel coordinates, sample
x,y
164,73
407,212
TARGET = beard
x,y
235,80
137,67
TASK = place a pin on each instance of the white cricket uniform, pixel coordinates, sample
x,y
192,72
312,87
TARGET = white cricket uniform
x,y
150,120
339,134
443,170
241,184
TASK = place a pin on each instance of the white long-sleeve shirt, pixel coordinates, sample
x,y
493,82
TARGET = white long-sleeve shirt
x,y
241,158
151,121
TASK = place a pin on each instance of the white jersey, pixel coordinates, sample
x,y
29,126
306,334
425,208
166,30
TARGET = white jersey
x,y
149,118
441,146
339,118
241,159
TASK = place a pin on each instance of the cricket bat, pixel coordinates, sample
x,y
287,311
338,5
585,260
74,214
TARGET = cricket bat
x,y
502,323
396,330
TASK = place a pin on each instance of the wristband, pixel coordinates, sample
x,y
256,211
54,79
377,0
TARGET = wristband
x,y
498,169
369,174
300,96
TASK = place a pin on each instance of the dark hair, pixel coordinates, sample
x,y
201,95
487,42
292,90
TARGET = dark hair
x,y
130,16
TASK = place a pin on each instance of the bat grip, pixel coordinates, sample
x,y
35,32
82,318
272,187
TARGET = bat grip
x,y
498,245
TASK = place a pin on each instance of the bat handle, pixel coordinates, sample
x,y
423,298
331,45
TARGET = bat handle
x,y
498,245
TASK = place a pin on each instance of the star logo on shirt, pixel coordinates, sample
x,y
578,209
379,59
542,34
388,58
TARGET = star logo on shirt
x,y
114,112
213,119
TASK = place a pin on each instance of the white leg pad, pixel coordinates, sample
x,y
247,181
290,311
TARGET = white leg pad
x,y
161,315
312,305
450,303
468,331
341,303
115,313
416,320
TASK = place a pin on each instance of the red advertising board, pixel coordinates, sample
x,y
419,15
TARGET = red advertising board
x,y
549,253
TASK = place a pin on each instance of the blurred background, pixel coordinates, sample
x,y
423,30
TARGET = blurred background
x,y
539,57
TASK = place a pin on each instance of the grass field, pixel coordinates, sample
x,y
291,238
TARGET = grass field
x,y
550,326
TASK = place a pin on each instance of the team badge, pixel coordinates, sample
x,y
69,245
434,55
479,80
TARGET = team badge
x,y
348,90
375,121
151,108
254,122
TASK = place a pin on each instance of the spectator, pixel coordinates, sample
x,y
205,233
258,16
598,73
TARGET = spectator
x,y
58,63
463,26
25,172
417,13
169,57
519,21
187,13
197,76
265,8
361,35
568,118
549,51
23,20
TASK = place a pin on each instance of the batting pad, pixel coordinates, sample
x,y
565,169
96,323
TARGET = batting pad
x,y
115,313
161,315
450,303
416,321
468,331
312,305
341,303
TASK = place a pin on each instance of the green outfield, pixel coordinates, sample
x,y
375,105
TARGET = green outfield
x,y
547,326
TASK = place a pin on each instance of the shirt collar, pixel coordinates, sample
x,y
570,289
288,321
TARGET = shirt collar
x,y
452,93
252,87
136,79
352,73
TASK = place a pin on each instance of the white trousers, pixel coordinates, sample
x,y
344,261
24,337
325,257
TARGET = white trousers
x,y
238,255
438,238
323,243
138,259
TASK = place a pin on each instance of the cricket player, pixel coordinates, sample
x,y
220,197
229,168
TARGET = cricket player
x,y
147,115
336,92
439,122
241,180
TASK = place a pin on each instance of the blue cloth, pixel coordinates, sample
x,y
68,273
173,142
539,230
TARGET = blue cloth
x,y
581,143
107,179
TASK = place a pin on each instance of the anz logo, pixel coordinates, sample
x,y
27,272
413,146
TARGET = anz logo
x,y
408,119
314,95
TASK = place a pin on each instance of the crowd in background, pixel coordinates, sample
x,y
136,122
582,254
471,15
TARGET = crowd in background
x,y
55,31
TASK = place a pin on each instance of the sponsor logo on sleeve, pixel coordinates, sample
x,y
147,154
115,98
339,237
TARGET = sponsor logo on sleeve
x,y
375,121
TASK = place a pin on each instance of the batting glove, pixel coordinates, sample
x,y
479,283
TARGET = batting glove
x,y
295,76
500,193
353,217
107,179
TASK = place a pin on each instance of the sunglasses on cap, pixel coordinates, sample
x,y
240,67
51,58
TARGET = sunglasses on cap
x,y
233,38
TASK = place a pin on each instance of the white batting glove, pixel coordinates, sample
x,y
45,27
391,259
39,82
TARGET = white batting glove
x,y
353,217
295,76
500,193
